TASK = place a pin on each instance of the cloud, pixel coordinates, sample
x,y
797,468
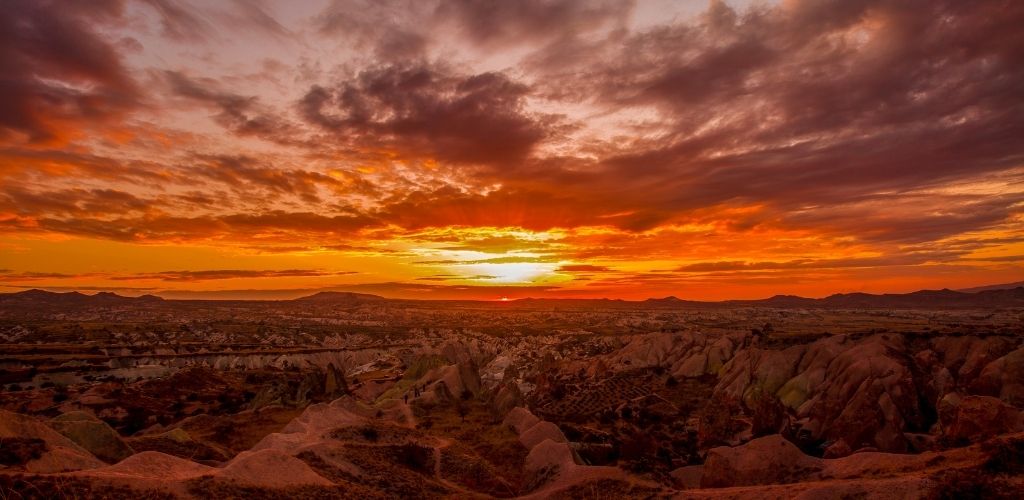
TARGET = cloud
x,y
58,69
222,274
245,174
270,226
536,21
512,259
9,276
429,112
583,268
456,277
240,114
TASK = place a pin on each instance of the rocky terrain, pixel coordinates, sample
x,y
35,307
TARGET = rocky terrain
x,y
345,395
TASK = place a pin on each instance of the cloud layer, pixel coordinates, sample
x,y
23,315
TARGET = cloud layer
x,y
617,148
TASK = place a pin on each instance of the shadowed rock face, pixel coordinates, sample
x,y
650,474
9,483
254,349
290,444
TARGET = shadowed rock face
x,y
52,452
1003,378
92,434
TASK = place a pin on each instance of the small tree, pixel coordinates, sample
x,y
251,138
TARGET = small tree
x,y
715,425
767,413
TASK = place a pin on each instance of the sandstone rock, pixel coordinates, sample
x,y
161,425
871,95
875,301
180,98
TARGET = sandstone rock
x,y
766,460
947,410
508,397
966,356
691,366
981,417
1003,378
92,434
869,397
549,457
540,432
811,371
58,454
756,371
520,419
718,354
920,442
153,465
334,383
469,376
839,448
271,469
687,478
652,349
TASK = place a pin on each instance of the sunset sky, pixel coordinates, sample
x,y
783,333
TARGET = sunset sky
x,y
478,149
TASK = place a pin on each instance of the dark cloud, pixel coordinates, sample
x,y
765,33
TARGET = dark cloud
x,y
272,226
807,104
57,69
71,203
428,112
172,276
222,274
49,164
861,262
9,276
246,174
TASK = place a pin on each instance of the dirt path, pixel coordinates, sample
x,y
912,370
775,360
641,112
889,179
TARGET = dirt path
x,y
410,419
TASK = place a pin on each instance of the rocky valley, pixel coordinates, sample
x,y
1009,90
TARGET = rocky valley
x,y
344,395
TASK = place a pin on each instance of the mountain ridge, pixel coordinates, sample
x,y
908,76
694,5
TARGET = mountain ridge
x,y
942,298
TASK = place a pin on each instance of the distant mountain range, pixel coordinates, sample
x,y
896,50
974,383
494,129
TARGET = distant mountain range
x,y
339,297
995,296
36,296
1004,286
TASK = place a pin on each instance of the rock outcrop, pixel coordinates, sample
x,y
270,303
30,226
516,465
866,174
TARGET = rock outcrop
x,y
1003,378
41,449
92,434
981,417
551,464
766,460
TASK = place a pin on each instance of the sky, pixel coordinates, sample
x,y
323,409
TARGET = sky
x,y
474,149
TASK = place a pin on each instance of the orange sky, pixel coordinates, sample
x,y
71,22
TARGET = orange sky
x,y
463,149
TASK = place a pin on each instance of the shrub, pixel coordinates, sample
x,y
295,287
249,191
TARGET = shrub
x,y
17,451
715,426
969,484
767,414
1004,456
369,434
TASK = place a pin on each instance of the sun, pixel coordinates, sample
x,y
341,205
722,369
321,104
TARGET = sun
x,y
518,272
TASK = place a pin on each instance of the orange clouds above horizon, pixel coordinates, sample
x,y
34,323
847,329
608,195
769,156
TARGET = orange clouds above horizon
x,y
473,149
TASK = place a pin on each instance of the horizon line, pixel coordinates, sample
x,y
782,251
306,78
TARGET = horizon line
x,y
158,294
